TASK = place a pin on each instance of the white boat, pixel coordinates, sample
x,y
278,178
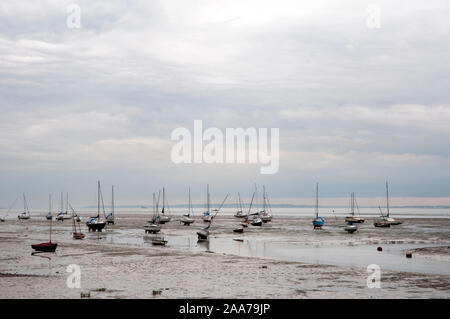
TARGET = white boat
x,y
186,220
385,220
265,214
352,218
152,225
26,213
64,215
350,228
240,212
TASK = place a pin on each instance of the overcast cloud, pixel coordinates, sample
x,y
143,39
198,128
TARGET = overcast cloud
x,y
355,105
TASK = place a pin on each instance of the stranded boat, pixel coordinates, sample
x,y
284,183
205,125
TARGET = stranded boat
x,y
386,220
318,221
352,218
48,247
110,217
186,219
95,223
203,234
26,213
152,225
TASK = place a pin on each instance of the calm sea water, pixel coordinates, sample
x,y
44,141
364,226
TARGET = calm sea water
x,y
403,212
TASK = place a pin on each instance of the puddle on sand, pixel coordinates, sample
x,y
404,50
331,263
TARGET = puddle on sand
x,y
391,258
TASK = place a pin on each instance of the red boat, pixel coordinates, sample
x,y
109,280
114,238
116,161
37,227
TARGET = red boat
x,y
45,247
78,235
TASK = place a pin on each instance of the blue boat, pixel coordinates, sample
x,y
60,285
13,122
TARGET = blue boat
x,y
318,222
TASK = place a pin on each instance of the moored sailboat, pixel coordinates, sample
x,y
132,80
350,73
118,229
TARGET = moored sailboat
x,y
186,218
203,234
26,213
76,233
47,247
318,221
152,226
386,220
352,218
110,217
95,223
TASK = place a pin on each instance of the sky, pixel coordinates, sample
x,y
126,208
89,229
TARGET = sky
x,y
355,104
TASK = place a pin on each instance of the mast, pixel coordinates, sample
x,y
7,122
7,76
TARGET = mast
x,y
317,200
207,198
164,200
264,199
240,203
387,199
352,204
51,230
62,208
112,201
67,202
98,200
50,204
189,202
24,204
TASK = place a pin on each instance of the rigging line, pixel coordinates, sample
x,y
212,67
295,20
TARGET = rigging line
x,y
12,205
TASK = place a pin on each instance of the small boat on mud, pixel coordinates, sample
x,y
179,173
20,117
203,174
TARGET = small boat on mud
x,y
158,240
186,219
350,228
152,225
318,221
203,234
110,220
164,218
352,218
26,213
240,213
76,233
95,224
386,220
48,247
64,215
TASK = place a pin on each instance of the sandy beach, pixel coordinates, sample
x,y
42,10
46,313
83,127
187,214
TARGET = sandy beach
x,y
285,258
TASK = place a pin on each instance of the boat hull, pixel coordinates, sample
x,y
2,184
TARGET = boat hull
x,y
318,223
96,227
45,247
78,235
238,230
152,229
353,219
203,235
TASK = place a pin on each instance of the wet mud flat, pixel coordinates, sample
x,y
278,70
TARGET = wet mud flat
x,y
120,263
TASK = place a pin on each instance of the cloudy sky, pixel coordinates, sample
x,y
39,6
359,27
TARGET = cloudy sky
x,y
355,104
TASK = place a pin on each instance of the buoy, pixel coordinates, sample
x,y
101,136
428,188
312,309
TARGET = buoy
x,y
408,254
379,248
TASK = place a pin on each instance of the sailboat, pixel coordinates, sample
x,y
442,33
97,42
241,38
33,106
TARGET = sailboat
x,y
318,222
49,215
186,219
26,213
76,233
240,213
207,214
265,215
48,247
384,220
152,226
254,218
352,218
203,234
64,215
164,218
110,217
244,222
95,223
